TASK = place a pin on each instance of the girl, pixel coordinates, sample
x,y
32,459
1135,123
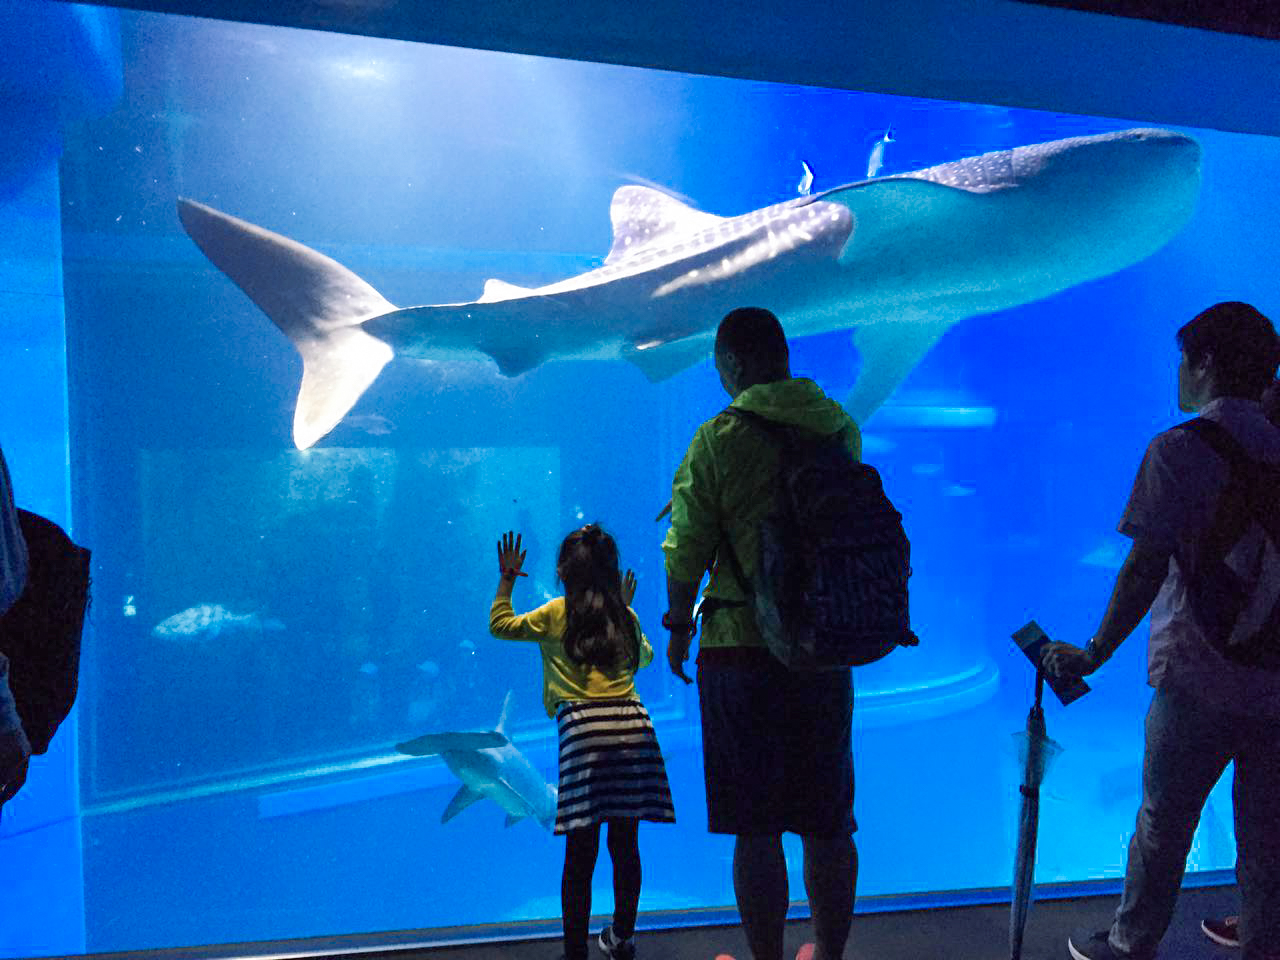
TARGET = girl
x,y
611,769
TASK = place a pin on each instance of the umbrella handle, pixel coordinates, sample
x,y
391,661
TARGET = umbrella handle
x,y
1039,686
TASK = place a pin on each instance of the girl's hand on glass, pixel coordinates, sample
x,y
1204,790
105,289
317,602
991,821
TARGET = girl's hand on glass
x,y
628,587
510,556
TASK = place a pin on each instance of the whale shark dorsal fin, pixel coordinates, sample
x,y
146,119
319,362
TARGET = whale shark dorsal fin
x,y
502,718
496,291
642,215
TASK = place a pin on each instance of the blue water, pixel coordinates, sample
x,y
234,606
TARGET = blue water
x,y
238,782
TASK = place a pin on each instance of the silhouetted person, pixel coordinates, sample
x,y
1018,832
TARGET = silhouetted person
x,y
15,750
777,744
1226,930
611,768
1206,564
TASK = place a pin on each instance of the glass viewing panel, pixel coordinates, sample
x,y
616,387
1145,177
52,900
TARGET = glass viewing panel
x,y
269,621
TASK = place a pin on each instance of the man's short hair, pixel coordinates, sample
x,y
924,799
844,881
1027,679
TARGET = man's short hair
x,y
754,336
1240,344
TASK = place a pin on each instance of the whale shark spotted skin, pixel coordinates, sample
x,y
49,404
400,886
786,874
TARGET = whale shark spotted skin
x,y
489,765
897,260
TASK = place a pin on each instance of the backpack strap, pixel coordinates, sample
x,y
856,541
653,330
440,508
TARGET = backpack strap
x,y
1247,486
1221,441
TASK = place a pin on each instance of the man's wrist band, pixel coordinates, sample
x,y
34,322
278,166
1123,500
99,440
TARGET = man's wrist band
x,y
673,626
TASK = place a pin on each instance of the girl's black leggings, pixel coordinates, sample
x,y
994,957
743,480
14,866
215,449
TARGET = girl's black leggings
x,y
581,849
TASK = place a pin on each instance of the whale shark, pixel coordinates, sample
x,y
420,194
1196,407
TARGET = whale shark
x,y
489,765
897,260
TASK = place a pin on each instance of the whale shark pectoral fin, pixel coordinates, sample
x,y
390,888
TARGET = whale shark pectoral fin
x,y
889,352
433,743
464,798
658,360
514,360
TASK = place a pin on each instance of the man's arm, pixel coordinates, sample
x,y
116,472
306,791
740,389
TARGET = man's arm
x,y
689,545
1136,586
681,596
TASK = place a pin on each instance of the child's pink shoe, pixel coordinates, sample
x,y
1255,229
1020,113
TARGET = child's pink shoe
x,y
806,952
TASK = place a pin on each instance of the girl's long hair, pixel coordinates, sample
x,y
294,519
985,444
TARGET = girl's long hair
x,y
599,630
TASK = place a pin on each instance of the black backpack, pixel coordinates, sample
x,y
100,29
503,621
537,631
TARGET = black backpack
x,y
830,588
40,633
1240,615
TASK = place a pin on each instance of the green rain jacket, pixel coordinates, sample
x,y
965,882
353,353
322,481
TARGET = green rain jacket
x,y
726,485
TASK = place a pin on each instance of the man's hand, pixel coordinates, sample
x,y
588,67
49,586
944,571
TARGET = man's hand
x,y
678,652
1066,660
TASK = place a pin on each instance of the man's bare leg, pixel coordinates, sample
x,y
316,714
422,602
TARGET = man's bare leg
x,y
830,879
760,883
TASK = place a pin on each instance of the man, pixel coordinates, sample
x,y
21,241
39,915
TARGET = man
x,y
1207,710
15,751
776,744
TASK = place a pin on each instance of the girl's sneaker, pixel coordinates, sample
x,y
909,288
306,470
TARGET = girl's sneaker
x,y
1225,931
614,948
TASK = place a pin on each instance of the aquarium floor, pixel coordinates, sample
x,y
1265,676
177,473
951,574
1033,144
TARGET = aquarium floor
x,y
961,933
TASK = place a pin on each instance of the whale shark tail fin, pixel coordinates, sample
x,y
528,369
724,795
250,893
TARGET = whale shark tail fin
x,y
315,301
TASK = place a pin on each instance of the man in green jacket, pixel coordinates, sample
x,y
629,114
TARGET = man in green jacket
x,y
777,745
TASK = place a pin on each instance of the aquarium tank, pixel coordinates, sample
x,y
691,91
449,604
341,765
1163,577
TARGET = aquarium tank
x,y
293,517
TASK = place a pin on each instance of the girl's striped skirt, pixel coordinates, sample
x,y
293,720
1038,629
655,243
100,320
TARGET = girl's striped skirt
x,y
610,765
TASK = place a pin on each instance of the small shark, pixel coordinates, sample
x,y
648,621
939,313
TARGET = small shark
x,y
489,765
930,248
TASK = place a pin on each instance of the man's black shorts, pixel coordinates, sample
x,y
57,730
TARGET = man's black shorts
x,y
776,745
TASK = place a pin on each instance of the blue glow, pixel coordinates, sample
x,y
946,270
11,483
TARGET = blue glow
x,y
238,768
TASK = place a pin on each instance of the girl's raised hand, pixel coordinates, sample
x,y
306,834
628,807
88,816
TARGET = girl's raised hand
x,y
628,587
510,556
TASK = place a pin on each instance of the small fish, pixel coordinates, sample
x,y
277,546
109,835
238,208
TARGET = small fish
x,y
210,620
875,162
806,182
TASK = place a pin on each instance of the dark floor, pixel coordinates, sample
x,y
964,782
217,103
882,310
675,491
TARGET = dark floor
x,y
964,933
